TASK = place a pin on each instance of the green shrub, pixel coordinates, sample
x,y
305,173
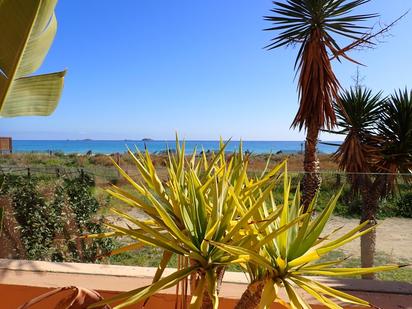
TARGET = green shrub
x,y
38,222
49,229
81,200
83,206
404,205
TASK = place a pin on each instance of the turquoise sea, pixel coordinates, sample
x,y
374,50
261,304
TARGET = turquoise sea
x,y
108,146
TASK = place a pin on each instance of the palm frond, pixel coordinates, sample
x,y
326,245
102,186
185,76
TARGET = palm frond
x,y
358,114
313,24
395,129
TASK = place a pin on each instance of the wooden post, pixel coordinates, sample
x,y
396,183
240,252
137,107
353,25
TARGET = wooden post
x,y
117,159
6,145
338,180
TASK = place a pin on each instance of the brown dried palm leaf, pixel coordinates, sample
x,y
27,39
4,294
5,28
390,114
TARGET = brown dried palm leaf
x,y
72,297
358,113
318,85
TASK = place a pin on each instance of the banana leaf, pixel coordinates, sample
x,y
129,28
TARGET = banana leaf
x,y
28,28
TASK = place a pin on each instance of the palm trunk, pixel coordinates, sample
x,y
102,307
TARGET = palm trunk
x,y
207,301
370,195
220,272
368,245
311,179
251,297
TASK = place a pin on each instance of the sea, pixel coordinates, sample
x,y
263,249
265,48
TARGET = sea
x,y
120,146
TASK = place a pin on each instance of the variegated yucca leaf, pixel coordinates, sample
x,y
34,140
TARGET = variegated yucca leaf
x,y
28,28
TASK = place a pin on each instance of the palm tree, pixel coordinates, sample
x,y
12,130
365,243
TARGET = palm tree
x,y
357,113
313,25
378,146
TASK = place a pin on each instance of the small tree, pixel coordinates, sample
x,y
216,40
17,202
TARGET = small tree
x,y
377,146
314,26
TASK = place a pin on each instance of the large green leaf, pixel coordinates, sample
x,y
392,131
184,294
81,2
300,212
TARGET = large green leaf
x,y
28,29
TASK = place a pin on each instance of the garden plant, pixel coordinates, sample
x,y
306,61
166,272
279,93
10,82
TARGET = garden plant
x,y
47,224
315,27
213,214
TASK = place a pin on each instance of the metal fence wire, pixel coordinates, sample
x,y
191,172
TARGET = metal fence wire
x,y
329,177
51,171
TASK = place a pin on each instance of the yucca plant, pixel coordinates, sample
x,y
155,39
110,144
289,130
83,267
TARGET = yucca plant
x,y
288,249
358,112
315,26
377,147
204,200
395,128
213,213
28,29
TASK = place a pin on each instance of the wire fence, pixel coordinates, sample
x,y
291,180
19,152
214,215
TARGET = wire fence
x,y
52,171
112,172
331,180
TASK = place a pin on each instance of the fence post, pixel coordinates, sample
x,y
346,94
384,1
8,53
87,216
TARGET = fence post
x,y
28,172
57,172
338,180
117,158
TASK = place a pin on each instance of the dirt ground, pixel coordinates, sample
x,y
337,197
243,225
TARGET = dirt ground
x,y
394,236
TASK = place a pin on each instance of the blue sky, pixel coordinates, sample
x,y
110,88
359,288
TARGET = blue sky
x,y
149,68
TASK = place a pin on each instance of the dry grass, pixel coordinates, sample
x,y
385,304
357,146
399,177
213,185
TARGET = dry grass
x,y
295,162
101,165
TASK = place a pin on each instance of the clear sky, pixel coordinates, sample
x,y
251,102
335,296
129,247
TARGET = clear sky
x,y
148,68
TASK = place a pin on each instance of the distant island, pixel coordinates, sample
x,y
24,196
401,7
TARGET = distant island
x,y
147,140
